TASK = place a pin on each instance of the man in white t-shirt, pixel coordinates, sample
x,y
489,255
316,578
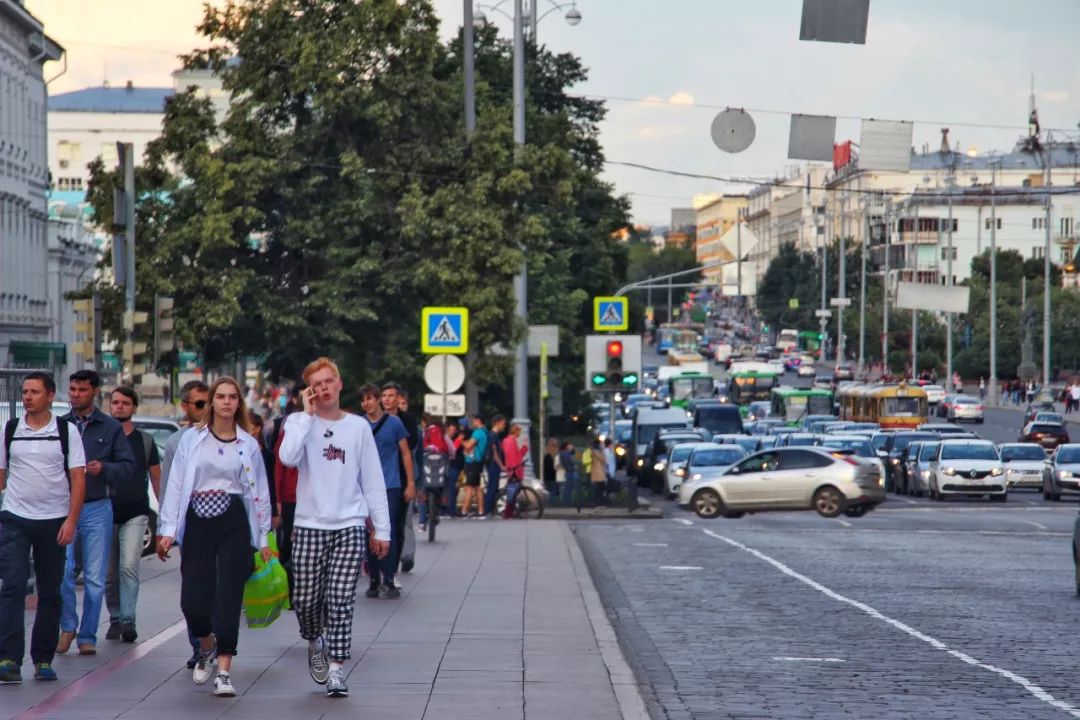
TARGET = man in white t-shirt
x,y
340,488
43,496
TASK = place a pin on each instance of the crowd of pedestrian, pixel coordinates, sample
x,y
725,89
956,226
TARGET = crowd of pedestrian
x,y
337,490
576,479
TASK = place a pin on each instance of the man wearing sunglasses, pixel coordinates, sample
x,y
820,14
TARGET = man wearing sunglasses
x,y
194,402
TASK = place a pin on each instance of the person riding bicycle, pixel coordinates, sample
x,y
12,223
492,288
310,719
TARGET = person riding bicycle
x,y
434,440
515,453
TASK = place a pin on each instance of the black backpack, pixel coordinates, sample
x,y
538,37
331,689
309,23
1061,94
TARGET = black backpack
x,y
62,436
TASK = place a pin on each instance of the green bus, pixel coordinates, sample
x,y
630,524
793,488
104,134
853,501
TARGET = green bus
x,y
810,342
687,386
748,386
792,404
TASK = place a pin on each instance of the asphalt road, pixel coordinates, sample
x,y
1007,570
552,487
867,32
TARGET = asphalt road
x,y
916,610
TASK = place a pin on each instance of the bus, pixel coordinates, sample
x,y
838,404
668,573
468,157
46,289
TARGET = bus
x,y
686,386
891,406
792,404
810,342
787,340
749,385
665,338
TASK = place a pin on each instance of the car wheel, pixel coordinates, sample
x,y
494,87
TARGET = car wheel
x,y
857,511
829,502
707,504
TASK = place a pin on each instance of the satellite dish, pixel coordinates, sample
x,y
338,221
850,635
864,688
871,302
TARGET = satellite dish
x,y
733,130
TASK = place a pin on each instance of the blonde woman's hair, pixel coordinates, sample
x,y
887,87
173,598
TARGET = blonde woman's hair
x,y
241,418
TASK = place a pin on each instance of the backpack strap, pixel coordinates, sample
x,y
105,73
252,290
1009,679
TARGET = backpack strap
x,y
63,429
9,435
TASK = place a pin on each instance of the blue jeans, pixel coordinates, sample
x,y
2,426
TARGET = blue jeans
x,y
122,585
18,538
451,490
94,532
492,489
382,571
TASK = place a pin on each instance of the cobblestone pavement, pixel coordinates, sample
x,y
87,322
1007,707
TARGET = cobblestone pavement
x,y
914,611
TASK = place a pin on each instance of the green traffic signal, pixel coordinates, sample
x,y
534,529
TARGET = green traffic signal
x,y
630,380
599,379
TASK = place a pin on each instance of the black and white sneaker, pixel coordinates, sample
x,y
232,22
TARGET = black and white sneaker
x,y
204,666
335,686
223,686
317,662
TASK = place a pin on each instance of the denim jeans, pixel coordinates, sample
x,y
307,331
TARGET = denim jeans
x,y
122,584
18,536
95,534
493,473
382,571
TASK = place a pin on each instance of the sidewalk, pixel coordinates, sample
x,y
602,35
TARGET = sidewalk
x,y
499,619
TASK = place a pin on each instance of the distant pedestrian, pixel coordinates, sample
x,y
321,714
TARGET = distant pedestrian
x,y
597,471
515,454
42,476
566,476
982,389
547,472
109,464
496,465
131,516
395,404
1074,396
339,491
477,453
457,466
217,509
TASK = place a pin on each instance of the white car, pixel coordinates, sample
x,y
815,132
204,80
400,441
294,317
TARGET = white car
x,y
1023,463
806,370
790,478
934,394
967,467
676,463
965,407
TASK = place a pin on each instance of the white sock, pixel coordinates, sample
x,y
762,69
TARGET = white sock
x,y
335,665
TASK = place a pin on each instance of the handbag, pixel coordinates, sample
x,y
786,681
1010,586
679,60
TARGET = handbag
x,y
266,591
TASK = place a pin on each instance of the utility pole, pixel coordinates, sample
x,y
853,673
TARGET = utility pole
x,y
915,313
885,294
521,281
468,49
949,283
993,289
824,284
862,289
1046,275
842,294
738,251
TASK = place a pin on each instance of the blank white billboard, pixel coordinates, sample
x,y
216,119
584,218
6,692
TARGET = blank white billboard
x,y
885,145
935,298
811,137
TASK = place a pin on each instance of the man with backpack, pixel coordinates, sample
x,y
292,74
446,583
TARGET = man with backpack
x,y
496,463
131,517
477,449
42,475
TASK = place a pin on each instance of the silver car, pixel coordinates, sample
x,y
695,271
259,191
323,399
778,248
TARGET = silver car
x,y
1061,474
967,467
918,468
965,407
1024,463
706,460
796,478
675,471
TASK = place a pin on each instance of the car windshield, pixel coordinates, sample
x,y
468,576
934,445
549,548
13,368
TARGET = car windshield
x,y
1068,455
795,440
664,447
680,453
879,441
1022,452
1047,428
862,448
901,407
686,388
647,433
718,457
927,450
968,451
719,419
964,400
902,441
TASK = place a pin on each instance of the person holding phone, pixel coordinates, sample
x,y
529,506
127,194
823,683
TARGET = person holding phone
x,y
339,490
217,507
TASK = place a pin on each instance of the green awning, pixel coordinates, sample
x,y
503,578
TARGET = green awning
x,y
37,354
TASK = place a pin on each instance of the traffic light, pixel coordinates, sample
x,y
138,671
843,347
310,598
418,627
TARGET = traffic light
x,y
164,340
135,358
85,345
613,363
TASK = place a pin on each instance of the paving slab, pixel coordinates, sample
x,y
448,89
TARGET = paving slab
x,y
498,619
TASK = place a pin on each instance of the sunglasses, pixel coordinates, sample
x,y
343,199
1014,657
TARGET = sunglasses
x,y
199,404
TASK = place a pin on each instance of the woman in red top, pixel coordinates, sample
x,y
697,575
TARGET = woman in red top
x,y
514,455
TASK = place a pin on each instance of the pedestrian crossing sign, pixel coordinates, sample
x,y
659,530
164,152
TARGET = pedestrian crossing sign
x,y
444,330
611,314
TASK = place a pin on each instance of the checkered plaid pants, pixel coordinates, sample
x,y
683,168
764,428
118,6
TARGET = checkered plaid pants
x,y
326,567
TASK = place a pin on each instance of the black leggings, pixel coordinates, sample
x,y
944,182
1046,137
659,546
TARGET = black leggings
x,y
216,560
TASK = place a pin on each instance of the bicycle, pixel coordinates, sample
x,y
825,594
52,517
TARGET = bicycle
x,y
529,501
435,478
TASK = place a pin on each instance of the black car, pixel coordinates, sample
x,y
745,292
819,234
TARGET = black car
x,y
717,417
651,474
894,449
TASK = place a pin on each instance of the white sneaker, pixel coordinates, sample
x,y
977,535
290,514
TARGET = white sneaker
x,y
318,664
204,666
335,686
397,583
223,686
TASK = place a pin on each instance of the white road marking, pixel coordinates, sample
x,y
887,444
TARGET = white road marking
x,y
1023,682
681,567
845,523
1040,526
810,659
684,521
650,544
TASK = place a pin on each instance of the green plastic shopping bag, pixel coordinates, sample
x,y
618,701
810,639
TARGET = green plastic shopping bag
x,y
266,592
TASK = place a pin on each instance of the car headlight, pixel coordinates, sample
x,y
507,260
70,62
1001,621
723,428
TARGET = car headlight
x,y
659,467
881,482
1064,474
641,462
949,471
620,451
696,476
1013,471
681,472
925,474
894,461
997,471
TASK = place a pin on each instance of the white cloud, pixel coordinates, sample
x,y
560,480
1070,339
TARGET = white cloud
x,y
681,98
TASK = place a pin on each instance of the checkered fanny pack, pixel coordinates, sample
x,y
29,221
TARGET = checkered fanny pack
x,y
210,504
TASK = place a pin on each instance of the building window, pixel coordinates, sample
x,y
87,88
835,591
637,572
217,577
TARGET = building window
x,y
1066,226
1037,252
945,253
987,223
1064,255
1038,223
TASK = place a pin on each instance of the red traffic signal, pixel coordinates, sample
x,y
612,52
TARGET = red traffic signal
x,y
614,349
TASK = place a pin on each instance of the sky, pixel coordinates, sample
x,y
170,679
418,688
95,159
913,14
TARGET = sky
x,y
962,64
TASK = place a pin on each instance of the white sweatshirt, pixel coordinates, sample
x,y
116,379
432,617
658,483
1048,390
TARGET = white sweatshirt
x,y
340,478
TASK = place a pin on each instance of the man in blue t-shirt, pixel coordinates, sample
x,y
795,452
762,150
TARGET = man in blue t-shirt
x,y
475,447
392,440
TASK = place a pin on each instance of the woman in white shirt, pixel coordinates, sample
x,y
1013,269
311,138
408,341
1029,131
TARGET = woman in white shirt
x,y
218,509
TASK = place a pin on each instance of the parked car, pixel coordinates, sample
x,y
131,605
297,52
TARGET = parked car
x,y
802,478
1024,463
706,460
1061,473
934,394
159,430
967,467
1046,435
965,407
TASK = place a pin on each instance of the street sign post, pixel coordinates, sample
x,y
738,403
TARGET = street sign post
x,y
823,314
444,330
793,303
840,302
444,374
611,314
612,363
444,405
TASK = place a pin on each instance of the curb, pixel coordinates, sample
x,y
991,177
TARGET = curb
x,y
631,704
604,513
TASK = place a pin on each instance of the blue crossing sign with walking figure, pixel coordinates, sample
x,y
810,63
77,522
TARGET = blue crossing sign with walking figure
x,y
444,330
611,314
